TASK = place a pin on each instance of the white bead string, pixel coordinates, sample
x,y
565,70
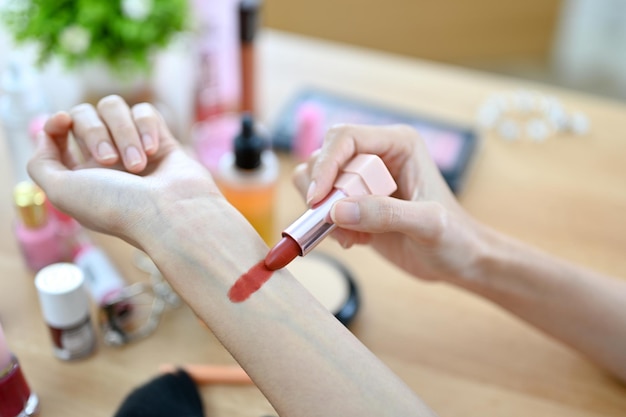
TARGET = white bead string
x,y
525,114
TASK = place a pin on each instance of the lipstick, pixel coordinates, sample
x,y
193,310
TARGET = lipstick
x,y
365,174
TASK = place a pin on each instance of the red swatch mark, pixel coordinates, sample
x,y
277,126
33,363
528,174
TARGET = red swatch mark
x,y
250,282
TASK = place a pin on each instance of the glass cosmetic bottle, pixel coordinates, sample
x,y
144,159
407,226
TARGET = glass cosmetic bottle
x,y
247,177
34,229
16,398
21,101
66,310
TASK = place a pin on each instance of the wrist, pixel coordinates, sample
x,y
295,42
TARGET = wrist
x,y
203,234
499,263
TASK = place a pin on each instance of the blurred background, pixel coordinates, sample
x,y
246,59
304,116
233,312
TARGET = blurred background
x,y
578,44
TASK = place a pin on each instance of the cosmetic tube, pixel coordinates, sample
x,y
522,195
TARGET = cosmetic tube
x,y
103,282
16,398
364,174
248,25
65,308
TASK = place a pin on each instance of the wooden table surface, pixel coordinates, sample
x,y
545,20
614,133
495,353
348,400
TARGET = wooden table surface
x,y
461,354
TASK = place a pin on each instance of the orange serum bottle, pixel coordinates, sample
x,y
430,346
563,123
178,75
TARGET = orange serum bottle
x,y
247,177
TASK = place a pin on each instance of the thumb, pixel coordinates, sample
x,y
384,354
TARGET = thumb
x,y
46,162
423,221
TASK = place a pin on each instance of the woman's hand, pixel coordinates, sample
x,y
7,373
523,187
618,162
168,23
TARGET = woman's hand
x,y
121,172
421,228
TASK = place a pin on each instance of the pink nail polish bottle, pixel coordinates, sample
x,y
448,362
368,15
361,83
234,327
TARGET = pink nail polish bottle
x,y
34,229
16,398
70,234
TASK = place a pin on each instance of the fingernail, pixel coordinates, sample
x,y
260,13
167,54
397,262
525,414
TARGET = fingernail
x,y
133,157
148,142
346,212
106,151
310,193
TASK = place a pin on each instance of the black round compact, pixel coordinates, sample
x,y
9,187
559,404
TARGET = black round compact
x,y
330,282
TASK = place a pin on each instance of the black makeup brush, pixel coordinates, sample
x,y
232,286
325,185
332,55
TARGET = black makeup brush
x,y
171,394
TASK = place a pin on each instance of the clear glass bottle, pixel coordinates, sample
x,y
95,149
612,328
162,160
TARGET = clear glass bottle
x,y
21,101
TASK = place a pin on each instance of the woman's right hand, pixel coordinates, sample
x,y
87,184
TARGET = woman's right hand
x,y
421,228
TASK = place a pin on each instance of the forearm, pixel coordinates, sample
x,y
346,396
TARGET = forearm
x,y
303,360
579,307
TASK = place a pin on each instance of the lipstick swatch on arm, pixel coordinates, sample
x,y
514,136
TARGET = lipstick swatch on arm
x,y
250,282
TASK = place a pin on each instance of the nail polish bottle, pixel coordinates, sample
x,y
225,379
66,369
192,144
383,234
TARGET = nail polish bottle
x,y
34,229
65,307
247,177
16,398
70,234
102,280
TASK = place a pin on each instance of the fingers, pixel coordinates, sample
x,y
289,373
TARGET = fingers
x,y
92,135
46,165
424,221
392,143
58,128
113,132
114,111
145,117
302,178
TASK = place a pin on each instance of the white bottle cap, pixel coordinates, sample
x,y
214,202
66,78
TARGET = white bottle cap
x,y
62,296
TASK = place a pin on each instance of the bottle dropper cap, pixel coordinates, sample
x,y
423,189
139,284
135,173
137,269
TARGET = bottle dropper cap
x,y
248,145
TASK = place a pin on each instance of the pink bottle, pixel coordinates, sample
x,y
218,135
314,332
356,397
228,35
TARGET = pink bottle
x,y
309,130
35,231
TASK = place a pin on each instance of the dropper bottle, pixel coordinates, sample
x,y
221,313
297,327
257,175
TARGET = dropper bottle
x,y
247,177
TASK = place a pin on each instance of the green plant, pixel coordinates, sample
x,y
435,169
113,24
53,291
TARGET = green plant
x,y
123,33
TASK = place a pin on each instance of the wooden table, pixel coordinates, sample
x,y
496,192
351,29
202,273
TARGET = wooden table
x,y
464,356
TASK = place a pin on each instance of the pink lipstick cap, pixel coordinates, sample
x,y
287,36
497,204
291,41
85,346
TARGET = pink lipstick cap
x,y
364,174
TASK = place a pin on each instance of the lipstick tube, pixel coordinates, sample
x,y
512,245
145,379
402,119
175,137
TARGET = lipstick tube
x,y
365,174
